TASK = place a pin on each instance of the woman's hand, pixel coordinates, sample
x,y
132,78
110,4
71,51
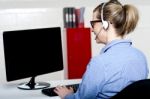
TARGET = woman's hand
x,y
62,91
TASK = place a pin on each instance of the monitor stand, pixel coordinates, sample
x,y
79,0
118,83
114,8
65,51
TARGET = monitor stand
x,y
31,85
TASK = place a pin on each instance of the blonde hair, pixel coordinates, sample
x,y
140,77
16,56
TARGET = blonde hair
x,y
123,17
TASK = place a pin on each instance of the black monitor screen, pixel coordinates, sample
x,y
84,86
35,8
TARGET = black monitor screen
x,y
32,52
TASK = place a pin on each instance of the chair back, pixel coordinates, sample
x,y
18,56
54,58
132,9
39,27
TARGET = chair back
x,y
138,89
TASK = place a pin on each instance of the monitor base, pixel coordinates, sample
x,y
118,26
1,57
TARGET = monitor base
x,y
39,85
31,85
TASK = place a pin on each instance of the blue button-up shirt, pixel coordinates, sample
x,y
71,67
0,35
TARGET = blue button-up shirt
x,y
118,65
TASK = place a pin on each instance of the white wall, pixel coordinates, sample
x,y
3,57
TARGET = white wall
x,y
26,17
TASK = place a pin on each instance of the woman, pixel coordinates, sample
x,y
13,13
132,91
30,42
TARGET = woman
x,y
119,64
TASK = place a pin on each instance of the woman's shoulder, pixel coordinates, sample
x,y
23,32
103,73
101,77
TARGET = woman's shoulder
x,y
99,61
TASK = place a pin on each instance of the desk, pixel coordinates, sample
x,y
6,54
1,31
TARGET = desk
x,y
10,91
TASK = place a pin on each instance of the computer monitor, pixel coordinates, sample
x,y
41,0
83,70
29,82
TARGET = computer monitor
x,y
32,52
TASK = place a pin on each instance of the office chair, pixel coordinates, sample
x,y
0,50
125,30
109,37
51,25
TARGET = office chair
x,y
138,89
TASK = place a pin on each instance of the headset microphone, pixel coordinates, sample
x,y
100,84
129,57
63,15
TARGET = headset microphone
x,y
98,33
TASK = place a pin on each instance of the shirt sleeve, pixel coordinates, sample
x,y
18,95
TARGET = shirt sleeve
x,y
91,81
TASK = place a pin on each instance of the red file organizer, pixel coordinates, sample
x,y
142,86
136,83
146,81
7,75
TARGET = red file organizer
x,y
78,51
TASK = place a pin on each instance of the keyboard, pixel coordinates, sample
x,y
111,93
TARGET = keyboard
x,y
50,91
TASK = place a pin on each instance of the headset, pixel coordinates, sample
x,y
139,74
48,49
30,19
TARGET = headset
x,y
105,24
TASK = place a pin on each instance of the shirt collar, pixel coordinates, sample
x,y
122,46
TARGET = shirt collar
x,y
114,42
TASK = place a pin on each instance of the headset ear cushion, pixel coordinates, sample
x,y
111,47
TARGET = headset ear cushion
x,y
105,25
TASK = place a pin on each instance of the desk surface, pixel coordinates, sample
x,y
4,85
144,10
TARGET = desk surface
x,y
10,91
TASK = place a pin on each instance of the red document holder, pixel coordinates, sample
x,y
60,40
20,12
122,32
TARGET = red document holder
x,y
78,51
